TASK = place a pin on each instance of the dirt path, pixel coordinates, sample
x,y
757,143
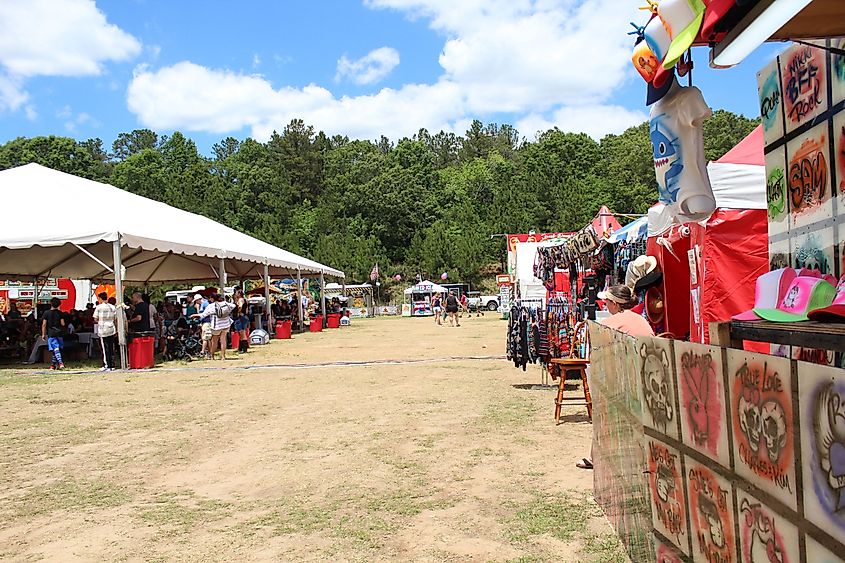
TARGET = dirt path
x,y
442,460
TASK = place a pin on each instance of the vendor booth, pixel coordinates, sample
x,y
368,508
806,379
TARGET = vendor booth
x,y
357,298
417,299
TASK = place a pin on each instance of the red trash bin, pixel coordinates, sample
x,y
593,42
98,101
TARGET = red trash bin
x,y
316,324
333,320
283,329
142,352
236,339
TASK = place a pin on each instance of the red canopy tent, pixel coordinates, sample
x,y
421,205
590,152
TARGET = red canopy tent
x,y
712,274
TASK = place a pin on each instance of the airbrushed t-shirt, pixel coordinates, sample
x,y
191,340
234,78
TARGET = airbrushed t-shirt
x,y
677,141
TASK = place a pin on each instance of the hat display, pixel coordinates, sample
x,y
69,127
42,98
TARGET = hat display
x,y
652,278
655,308
654,93
639,267
645,61
834,312
805,294
716,10
682,19
657,37
770,290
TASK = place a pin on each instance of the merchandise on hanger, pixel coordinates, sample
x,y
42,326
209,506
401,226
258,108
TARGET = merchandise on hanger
x,y
524,336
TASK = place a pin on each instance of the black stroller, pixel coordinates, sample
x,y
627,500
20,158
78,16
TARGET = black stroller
x,y
183,343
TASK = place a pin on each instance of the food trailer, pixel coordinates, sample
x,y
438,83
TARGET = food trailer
x,y
417,299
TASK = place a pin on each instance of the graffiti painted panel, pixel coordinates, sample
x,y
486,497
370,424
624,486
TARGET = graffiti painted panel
x,y
657,385
821,392
814,251
837,72
776,191
839,158
668,497
771,102
665,553
779,254
702,394
763,429
804,84
808,177
711,515
816,553
764,535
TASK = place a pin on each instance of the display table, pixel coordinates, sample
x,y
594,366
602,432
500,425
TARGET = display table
x,y
806,334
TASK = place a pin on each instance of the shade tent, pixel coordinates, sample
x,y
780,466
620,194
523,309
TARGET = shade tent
x,y
426,287
77,222
635,230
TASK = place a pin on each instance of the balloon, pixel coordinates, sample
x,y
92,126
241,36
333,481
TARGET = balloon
x,y
444,275
397,277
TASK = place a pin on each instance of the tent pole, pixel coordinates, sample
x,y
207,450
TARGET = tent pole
x,y
222,274
118,293
267,308
323,299
299,294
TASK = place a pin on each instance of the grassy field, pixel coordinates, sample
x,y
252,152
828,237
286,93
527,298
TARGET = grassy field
x,y
428,449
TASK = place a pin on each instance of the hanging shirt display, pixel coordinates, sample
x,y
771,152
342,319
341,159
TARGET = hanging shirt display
x,y
677,141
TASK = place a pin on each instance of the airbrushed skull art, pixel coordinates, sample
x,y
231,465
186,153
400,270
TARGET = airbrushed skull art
x,y
655,383
668,164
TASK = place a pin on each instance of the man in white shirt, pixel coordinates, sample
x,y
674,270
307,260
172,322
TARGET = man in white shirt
x,y
105,315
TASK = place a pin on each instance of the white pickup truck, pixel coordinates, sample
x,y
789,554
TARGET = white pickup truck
x,y
476,301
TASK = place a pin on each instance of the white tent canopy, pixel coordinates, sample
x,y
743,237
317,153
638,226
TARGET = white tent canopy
x,y
426,287
74,223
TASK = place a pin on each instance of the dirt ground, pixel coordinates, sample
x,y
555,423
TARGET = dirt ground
x,y
282,456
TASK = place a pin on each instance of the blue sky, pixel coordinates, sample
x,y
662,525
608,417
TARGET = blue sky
x,y
355,67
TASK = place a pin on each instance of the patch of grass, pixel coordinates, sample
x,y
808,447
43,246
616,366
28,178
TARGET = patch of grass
x,y
180,513
66,495
564,517
604,548
515,412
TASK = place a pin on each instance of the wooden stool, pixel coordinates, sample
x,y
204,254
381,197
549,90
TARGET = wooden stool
x,y
572,364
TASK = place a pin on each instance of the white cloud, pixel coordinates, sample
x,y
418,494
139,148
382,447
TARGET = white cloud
x,y
595,121
544,63
55,38
194,98
71,121
369,69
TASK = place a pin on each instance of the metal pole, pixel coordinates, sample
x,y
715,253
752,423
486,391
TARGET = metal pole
x,y
267,307
323,298
299,295
118,293
222,274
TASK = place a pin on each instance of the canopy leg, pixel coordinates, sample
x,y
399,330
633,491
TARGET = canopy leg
x,y
323,299
299,294
118,292
267,309
222,274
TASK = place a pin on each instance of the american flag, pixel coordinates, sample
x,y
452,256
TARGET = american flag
x,y
374,273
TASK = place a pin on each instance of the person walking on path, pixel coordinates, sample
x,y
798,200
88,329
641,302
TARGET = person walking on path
x,y
53,331
105,315
452,306
241,320
437,307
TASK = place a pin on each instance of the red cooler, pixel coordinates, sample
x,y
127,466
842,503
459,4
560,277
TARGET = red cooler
x,y
283,329
142,352
316,324
333,320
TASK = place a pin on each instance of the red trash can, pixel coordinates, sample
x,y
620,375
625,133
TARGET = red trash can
x,y
236,339
283,329
316,324
333,320
142,352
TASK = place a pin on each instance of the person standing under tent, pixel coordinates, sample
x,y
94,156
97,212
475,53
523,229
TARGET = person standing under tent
x,y
437,307
105,315
53,331
205,323
241,320
219,312
619,300
452,306
140,321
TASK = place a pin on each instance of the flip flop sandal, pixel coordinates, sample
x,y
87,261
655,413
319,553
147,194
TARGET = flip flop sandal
x,y
584,464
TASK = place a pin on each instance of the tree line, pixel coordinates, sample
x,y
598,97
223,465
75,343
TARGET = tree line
x,y
425,204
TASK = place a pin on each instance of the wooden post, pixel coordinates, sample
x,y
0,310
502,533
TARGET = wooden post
x,y
720,335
